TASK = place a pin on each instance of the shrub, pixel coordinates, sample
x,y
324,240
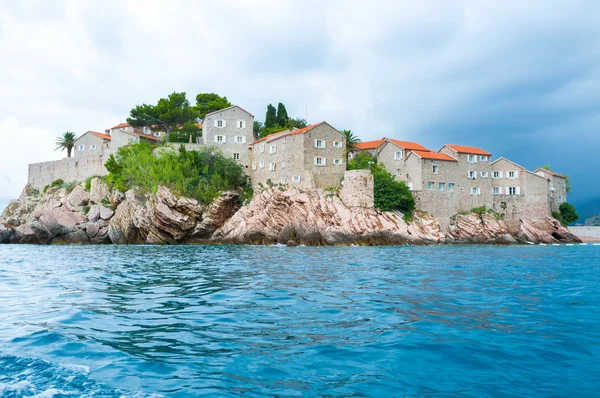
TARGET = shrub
x,y
568,214
389,194
197,174
558,216
55,183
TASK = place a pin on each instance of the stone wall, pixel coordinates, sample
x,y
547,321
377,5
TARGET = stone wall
x,y
232,132
357,189
69,170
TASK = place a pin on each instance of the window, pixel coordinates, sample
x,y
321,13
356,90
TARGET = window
x,y
272,149
81,148
220,139
236,156
514,190
337,161
320,161
220,123
410,186
272,166
319,144
471,158
261,164
430,186
283,180
441,186
436,168
241,124
483,158
512,174
240,140
496,191
253,165
398,172
483,174
497,174
283,162
262,148
337,144
296,178
450,187
398,155
475,191
92,147
472,175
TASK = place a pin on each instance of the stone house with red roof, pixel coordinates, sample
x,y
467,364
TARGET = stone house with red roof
x,y
91,143
557,187
312,157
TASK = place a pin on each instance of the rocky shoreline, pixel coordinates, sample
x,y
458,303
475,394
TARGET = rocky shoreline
x,y
293,217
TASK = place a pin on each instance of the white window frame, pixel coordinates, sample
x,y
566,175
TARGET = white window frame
x,y
253,165
399,172
240,139
236,158
430,185
472,158
93,147
497,174
272,166
297,178
483,174
222,138
262,148
435,169
512,191
283,163
220,123
472,175
483,158
241,124
283,180
495,190
398,155
81,148
337,144
475,191
272,148
441,186
337,162
319,161
320,144
261,164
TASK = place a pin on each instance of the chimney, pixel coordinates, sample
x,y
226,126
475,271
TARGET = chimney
x,y
107,131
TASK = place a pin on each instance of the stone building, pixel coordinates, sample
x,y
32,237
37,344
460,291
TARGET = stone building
x,y
312,157
557,188
391,153
91,143
230,130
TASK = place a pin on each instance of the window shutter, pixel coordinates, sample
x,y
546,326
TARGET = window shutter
x,y
224,123
243,124
216,136
518,190
500,174
324,161
243,140
507,190
216,123
315,160
478,191
224,137
517,176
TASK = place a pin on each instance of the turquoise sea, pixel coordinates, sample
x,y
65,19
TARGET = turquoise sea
x,y
181,321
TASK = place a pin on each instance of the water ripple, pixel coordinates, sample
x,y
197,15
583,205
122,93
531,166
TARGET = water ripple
x,y
106,321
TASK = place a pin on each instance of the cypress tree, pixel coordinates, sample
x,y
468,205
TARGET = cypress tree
x,y
270,117
282,116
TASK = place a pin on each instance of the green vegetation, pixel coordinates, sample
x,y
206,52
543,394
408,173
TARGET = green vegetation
x,y
389,193
197,174
351,142
66,141
566,214
176,116
55,183
88,182
277,120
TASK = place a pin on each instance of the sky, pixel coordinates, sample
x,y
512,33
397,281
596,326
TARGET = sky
x,y
520,79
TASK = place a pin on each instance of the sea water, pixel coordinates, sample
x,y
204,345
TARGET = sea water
x,y
104,321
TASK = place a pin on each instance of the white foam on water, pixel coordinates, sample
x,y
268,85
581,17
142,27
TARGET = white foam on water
x,y
76,368
569,244
49,393
555,244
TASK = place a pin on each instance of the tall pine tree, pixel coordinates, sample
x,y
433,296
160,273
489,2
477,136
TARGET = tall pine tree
x,y
270,117
282,116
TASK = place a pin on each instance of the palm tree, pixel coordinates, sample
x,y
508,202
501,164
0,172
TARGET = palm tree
x,y
66,141
256,127
351,142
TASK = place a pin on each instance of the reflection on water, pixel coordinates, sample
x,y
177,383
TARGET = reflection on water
x,y
231,320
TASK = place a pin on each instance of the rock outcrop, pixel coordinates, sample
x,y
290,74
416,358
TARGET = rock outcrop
x,y
293,217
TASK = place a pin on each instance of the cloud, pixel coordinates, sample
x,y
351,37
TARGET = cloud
x,y
519,78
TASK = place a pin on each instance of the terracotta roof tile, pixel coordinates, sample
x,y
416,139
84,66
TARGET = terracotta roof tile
x,y
411,146
370,144
287,132
551,172
434,156
468,149
121,125
101,135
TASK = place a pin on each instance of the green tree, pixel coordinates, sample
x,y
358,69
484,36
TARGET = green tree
x,y
256,127
282,116
210,102
389,194
351,142
297,122
66,141
270,117
568,213
168,114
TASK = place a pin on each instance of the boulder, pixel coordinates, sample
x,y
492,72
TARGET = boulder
x,y
94,213
478,228
78,198
223,208
98,191
5,234
106,213
56,222
546,230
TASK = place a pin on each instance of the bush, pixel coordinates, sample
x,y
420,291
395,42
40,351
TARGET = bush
x,y
389,193
55,183
202,175
568,214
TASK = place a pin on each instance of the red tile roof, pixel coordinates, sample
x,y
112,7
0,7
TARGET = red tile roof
x,y
142,135
288,132
411,146
121,125
101,135
551,172
370,144
434,156
468,149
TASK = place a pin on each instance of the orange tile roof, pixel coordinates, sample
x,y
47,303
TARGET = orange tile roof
x,y
468,149
411,146
288,132
200,125
370,144
120,125
101,135
434,156
551,172
142,135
